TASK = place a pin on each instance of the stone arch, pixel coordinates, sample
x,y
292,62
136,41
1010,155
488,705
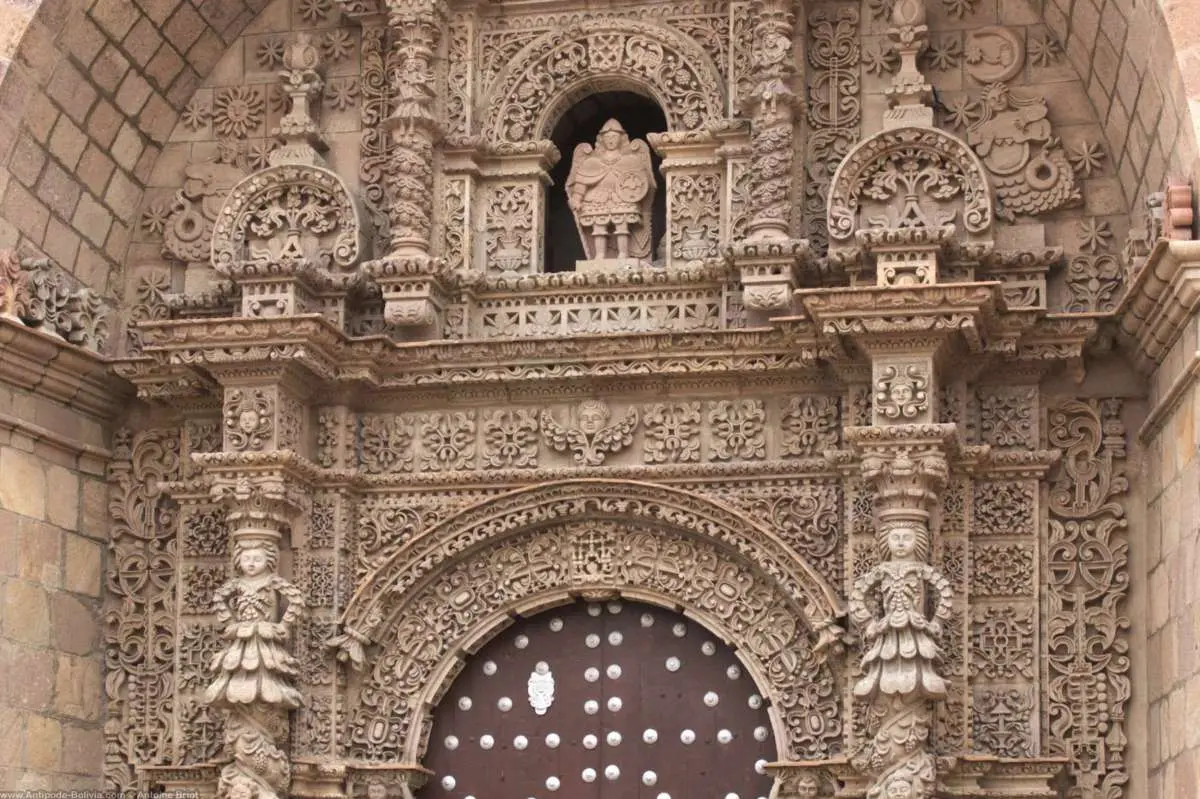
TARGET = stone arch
x,y
556,69
946,169
447,592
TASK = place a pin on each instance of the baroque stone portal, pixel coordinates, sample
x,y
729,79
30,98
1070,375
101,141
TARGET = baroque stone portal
x,y
835,433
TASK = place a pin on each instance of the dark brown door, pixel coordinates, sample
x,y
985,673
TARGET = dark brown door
x,y
611,700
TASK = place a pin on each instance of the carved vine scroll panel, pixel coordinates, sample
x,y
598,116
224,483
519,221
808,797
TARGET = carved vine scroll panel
x,y
599,700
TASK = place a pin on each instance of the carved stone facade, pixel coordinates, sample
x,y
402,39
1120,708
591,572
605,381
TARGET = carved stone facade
x,y
848,376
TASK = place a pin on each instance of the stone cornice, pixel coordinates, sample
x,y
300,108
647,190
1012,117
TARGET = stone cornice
x,y
1162,298
232,349
59,371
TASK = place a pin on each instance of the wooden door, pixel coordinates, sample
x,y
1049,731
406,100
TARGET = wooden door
x,y
609,700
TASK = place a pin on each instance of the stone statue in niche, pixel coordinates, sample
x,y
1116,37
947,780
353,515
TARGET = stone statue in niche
x,y
610,190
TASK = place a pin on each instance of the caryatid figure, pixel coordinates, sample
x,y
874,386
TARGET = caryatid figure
x,y
610,190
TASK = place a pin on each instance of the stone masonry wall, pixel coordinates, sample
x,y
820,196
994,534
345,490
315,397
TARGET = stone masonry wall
x,y
53,524
1172,588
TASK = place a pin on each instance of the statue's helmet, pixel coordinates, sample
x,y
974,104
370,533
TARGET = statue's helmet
x,y
614,126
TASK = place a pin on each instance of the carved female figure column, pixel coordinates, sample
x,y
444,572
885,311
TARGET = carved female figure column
x,y
254,674
899,608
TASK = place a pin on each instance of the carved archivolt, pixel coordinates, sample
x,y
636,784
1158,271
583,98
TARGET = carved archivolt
x,y
445,593
288,214
552,71
917,173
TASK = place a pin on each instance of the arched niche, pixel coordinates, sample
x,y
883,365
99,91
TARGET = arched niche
x,y
581,122
415,620
554,71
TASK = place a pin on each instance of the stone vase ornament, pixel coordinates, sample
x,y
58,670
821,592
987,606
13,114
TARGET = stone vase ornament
x,y
254,674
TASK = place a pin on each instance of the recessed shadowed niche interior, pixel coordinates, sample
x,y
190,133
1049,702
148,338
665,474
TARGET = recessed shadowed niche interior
x,y
581,123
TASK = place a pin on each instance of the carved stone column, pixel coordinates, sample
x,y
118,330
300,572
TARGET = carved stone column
x,y
769,257
771,108
408,274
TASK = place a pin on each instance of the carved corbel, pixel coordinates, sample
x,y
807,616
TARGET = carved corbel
x,y
390,781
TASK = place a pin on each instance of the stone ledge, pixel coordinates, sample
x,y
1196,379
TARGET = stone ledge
x,y
85,458
1164,295
59,371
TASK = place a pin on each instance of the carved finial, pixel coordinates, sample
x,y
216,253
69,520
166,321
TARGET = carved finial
x,y
909,94
302,82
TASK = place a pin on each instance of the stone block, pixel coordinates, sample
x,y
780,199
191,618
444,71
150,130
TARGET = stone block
x,y
118,241
22,478
27,160
78,687
62,243
184,27
75,626
133,93
58,190
30,217
67,142
26,613
30,678
115,16
109,69
12,734
127,148
84,749
43,744
92,220
93,513
39,552
142,41
82,39
164,67
158,118
1159,603
72,91
158,10
81,570
94,170
123,196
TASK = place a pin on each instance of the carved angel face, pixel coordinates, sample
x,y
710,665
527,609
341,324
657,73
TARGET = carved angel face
x,y
610,140
806,788
902,542
593,416
248,421
902,392
253,562
376,790
900,789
